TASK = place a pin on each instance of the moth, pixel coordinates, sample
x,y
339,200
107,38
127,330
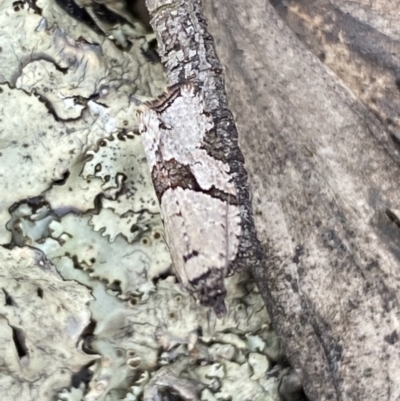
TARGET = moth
x,y
197,192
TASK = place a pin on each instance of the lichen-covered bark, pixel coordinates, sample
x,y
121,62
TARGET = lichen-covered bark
x,y
324,177
79,216
41,320
326,197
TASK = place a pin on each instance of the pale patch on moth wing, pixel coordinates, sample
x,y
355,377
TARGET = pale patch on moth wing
x,y
210,172
197,233
176,129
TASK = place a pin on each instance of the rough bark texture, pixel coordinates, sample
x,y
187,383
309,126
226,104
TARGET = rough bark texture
x,y
326,197
324,174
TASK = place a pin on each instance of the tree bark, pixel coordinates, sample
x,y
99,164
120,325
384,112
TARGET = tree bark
x,y
325,195
323,172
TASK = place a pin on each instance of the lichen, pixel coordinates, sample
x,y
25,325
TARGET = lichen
x,y
42,318
73,92
129,199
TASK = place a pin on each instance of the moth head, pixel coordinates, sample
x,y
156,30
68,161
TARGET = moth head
x,y
214,298
220,308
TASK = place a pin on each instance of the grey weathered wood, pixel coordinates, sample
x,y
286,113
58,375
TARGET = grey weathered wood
x,y
324,176
360,42
323,183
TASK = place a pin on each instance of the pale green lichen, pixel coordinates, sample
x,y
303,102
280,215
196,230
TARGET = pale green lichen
x,y
91,88
42,318
129,206
127,269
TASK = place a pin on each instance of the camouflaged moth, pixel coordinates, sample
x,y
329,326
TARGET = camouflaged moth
x,y
197,193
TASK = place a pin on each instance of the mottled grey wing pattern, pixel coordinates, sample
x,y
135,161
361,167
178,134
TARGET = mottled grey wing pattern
x,y
196,191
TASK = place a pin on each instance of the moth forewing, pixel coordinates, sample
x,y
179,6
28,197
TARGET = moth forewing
x,y
196,192
196,221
